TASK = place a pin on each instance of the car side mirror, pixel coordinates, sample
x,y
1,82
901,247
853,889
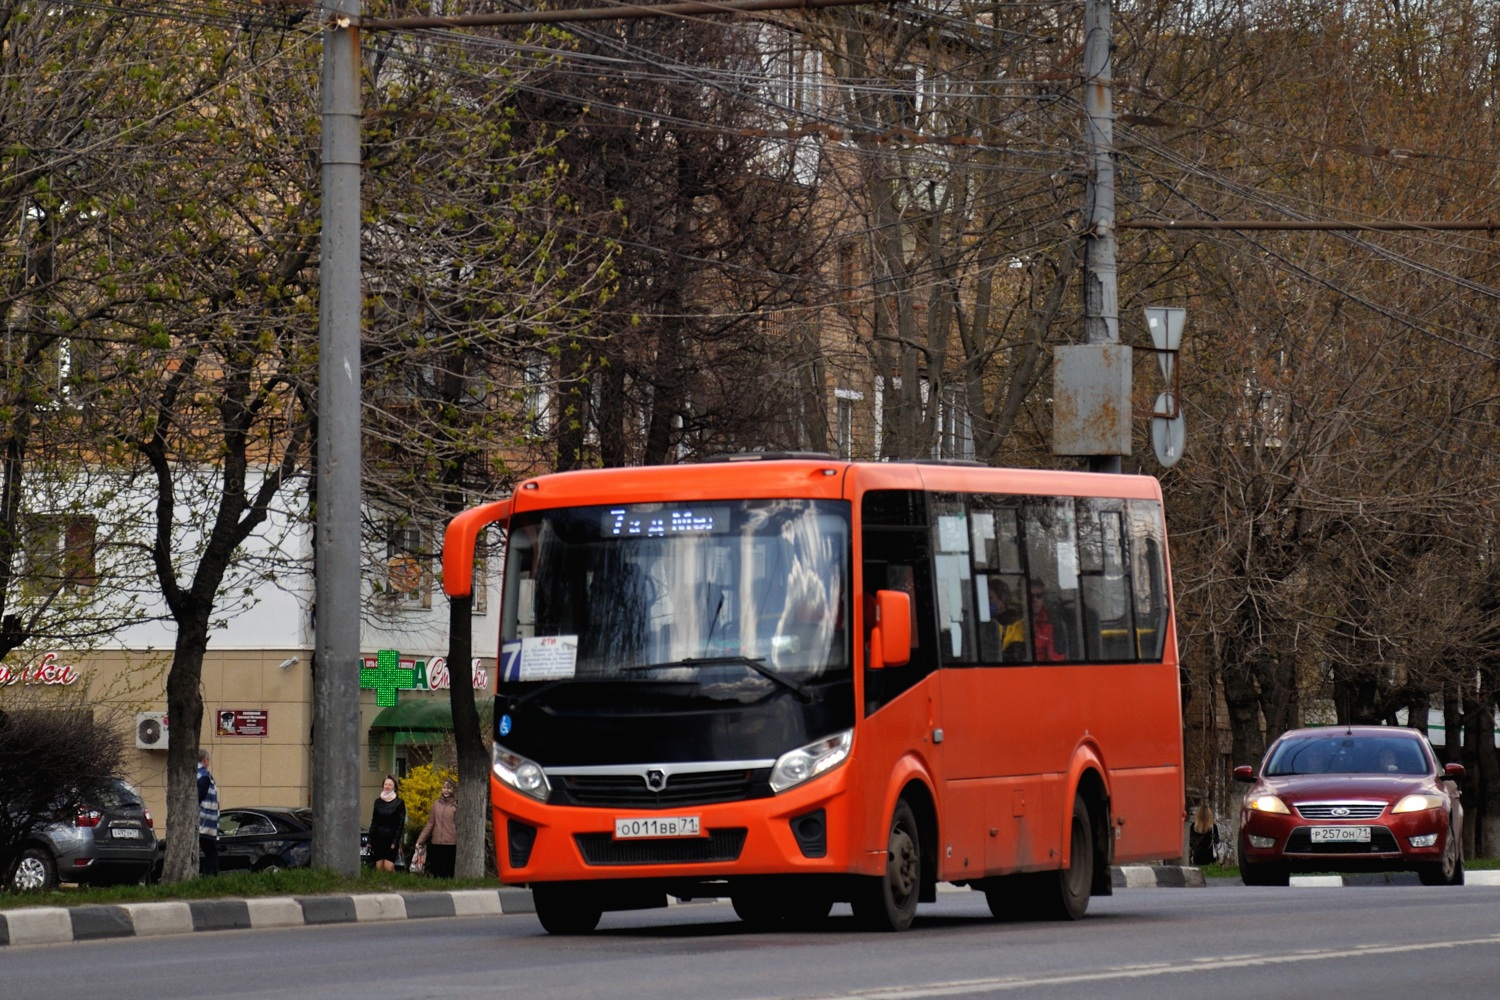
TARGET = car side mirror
x,y
1453,771
1245,774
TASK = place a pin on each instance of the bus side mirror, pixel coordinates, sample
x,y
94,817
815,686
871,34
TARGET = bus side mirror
x,y
890,639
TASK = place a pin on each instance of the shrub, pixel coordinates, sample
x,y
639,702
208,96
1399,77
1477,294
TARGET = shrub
x,y
420,786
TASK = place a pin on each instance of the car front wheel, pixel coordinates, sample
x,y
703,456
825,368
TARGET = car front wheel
x,y
1252,873
1450,870
35,871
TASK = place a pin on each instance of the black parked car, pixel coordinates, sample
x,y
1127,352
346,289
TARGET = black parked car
x,y
264,839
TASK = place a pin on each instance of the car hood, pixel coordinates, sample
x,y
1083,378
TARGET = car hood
x,y
1311,787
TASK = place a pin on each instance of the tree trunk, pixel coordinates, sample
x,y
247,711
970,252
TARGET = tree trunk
x,y
185,720
473,765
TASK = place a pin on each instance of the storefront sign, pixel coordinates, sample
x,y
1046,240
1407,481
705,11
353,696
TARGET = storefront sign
x,y
47,670
426,674
242,721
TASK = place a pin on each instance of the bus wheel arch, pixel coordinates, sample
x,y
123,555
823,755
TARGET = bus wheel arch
x,y
889,901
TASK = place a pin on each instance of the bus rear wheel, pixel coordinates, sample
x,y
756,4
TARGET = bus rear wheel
x,y
1059,895
566,909
1067,896
889,903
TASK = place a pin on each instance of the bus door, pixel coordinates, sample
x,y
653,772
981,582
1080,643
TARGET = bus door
x,y
902,710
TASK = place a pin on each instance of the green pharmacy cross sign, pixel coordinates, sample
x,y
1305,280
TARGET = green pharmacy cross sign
x,y
387,676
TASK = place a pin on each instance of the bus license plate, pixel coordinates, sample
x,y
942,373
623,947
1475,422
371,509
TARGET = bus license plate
x,y
1341,835
642,827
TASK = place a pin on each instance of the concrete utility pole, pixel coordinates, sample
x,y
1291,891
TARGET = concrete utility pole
x,y
1092,381
335,757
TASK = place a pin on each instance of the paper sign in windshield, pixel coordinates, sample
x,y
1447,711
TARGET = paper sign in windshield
x,y
539,658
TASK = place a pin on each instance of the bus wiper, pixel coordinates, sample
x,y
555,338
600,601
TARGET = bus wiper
x,y
754,663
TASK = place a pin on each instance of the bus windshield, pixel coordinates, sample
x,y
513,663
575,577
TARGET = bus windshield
x,y
738,598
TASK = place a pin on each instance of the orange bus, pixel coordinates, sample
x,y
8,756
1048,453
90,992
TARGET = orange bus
x,y
793,681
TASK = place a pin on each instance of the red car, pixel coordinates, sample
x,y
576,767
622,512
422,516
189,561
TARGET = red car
x,y
1351,799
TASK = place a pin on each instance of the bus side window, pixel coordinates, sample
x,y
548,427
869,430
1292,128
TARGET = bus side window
x,y
1148,577
957,617
1103,584
999,582
1052,571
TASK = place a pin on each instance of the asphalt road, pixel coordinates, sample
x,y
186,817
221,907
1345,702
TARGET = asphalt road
x,y
1220,942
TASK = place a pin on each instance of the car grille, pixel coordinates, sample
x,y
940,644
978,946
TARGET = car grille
x,y
1347,810
1381,842
719,845
691,788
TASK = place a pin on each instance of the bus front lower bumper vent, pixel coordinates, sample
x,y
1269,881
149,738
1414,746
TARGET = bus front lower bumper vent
x,y
718,846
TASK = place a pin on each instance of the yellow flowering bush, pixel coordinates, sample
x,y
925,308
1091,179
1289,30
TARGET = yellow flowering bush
x,y
420,786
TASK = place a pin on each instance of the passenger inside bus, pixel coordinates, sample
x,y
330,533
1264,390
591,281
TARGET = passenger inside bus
x,y
1049,642
1003,638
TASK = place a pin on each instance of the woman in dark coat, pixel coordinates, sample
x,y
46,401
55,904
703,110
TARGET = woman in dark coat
x,y
387,824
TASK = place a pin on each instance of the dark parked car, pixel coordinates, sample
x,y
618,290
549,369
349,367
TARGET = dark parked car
x,y
265,839
1351,799
110,841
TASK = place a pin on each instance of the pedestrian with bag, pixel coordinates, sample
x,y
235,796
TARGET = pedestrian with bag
x,y
387,825
440,835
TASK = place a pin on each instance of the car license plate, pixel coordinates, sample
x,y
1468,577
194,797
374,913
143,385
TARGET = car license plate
x,y
642,827
1340,834
125,833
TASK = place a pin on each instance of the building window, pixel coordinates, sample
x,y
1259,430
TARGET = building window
x,y
60,549
844,400
406,575
955,429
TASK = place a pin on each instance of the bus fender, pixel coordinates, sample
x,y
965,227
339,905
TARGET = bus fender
x,y
1086,759
910,769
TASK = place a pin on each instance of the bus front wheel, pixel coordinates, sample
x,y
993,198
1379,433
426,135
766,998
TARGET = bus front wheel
x,y
565,909
889,902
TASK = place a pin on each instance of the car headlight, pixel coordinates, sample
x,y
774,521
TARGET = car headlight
x,y
1267,804
796,766
523,775
1418,803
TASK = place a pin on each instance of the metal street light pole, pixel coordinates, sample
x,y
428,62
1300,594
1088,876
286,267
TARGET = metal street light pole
x,y
335,758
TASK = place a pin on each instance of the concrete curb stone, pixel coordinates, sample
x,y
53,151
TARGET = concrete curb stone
x,y
61,924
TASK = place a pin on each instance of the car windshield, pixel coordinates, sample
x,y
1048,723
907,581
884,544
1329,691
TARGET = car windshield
x,y
1344,753
717,594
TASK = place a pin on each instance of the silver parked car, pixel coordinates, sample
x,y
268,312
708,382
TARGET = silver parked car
x,y
110,841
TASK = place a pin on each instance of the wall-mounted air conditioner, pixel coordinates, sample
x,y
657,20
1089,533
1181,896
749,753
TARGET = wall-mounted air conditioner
x,y
151,730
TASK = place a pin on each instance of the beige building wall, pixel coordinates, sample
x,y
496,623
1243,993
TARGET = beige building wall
x,y
270,770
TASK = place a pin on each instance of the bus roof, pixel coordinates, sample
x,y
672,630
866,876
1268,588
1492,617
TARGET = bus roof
x,y
812,478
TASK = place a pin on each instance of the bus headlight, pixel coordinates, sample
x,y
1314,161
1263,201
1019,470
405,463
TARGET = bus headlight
x,y
796,766
523,775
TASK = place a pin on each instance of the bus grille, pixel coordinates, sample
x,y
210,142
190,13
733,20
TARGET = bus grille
x,y
719,845
685,789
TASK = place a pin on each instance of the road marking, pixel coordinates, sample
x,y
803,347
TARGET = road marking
x,y
971,986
